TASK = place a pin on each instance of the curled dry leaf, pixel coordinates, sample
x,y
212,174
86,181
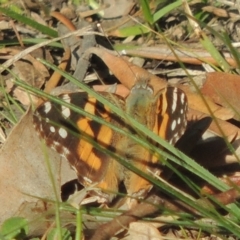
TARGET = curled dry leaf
x,y
196,102
125,71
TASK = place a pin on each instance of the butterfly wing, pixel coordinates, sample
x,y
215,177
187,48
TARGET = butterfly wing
x,y
71,134
171,114
165,114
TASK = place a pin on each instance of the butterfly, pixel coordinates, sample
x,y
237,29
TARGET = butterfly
x,y
66,131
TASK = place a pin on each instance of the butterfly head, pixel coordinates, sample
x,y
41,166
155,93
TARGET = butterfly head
x,y
140,98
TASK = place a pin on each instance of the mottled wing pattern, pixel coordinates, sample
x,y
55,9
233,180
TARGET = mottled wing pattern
x,y
66,131
171,117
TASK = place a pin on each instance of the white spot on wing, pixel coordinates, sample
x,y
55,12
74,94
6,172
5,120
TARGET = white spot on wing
x,y
176,136
52,129
36,114
182,98
47,107
66,112
179,120
66,98
56,143
173,126
174,106
175,98
65,151
62,132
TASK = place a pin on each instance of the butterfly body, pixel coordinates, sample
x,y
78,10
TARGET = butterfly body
x,y
67,131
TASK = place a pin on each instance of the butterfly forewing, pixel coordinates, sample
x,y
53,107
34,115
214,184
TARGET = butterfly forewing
x,y
171,120
66,132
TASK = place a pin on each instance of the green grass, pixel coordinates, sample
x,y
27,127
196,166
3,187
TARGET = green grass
x,y
9,108
29,22
224,224
174,155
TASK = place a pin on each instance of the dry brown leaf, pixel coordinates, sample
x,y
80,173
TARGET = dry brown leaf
x,y
30,58
218,127
126,72
223,89
117,9
143,231
38,18
195,102
220,12
24,175
28,70
21,95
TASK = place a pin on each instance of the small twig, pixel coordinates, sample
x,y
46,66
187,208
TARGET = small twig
x,y
56,76
17,34
192,22
53,81
64,20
